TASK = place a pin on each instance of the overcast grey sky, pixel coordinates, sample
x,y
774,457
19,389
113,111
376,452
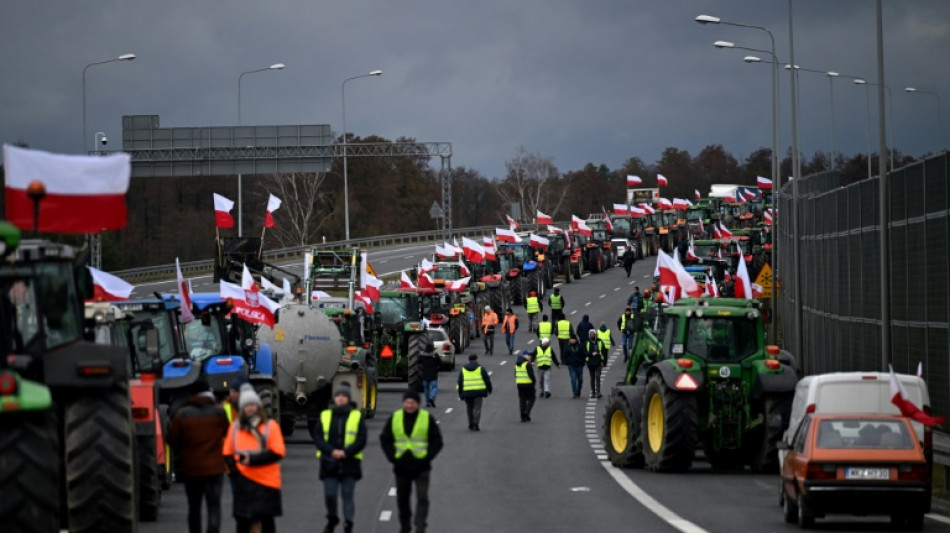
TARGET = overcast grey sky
x,y
576,80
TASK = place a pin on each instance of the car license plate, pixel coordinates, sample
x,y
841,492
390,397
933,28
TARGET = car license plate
x,y
867,473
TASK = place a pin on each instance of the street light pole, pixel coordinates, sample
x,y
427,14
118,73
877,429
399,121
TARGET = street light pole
x,y
123,57
796,173
346,189
939,128
240,204
831,85
867,91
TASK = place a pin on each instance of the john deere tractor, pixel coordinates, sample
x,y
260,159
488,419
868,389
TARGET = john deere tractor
x,y
700,376
400,336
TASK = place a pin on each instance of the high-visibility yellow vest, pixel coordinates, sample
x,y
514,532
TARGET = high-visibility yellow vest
x,y
228,410
352,428
532,305
543,357
472,380
521,374
623,322
564,329
604,337
557,301
545,329
418,442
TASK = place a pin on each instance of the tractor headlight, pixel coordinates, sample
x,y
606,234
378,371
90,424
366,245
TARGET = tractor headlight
x,y
753,314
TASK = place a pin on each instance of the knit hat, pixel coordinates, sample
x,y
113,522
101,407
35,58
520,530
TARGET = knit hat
x,y
248,396
410,395
344,390
592,333
525,352
545,340
488,308
603,327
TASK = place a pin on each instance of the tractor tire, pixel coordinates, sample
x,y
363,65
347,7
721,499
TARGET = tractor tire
x,y
597,262
777,409
269,399
29,472
566,269
669,429
100,461
621,440
149,486
417,348
457,335
548,275
517,296
497,300
533,282
370,393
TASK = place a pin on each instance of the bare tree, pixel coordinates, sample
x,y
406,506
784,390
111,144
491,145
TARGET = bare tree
x,y
535,183
306,207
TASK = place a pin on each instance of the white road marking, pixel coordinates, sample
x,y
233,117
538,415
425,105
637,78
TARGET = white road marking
x,y
602,457
385,516
618,288
490,372
532,340
449,410
603,295
588,303
938,518
631,283
501,363
574,312
580,489
384,260
649,502
556,285
647,276
392,491
411,256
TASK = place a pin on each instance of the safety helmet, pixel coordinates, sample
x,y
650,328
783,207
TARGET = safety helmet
x,y
533,293
646,293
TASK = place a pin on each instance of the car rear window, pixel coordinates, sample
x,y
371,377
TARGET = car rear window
x,y
864,434
438,335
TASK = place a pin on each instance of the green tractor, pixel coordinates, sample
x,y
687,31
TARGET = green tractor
x,y
400,335
700,375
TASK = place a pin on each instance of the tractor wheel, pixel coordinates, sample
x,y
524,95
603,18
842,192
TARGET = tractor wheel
x,y
100,461
370,391
29,472
517,296
150,488
548,275
621,441
456,334
776,411
670,423
496,297
533,282
597,262
269,399
417,348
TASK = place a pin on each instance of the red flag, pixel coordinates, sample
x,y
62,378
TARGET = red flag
x,y
538,241
512,223
544,219
458,285
633,181
222,212
555,230
697,195
580,226
743,287
717,234
661,180
426,265
764,183
505,235
108,288
675,278
636,212
607,222
680,203
425,282
186,314
473,251
84,194
249,304
665,204
691,253
724,232
273,204
368,282
907,407
367,303
767,216
489,247
464,269
621,209
405,282
648,208
729,198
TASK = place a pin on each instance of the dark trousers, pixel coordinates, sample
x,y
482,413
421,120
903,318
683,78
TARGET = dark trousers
x,y
489,339
594,380
556,314
404,500
334,486
526,397
473,407
267,524
207,488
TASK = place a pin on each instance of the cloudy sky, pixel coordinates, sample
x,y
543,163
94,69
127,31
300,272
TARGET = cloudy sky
x,y
576,80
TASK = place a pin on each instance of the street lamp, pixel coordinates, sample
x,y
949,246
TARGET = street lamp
x,y
937,96
346,190
867,91
275,66
123,57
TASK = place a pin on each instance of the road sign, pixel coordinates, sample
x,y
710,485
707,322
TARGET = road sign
x,y
764,279
436,210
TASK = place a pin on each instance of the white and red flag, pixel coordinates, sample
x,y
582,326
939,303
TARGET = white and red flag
x,y
544,219
368,282
273,204
680,203
580,226
489,247
183,294
665,204
648,208
316,295
247,280
425,281
767,216
711,288
764,183
464,269
607,222
473,251
367,302
444,251
506,235
674,278
84,194
555,230
743,287
222,212
405,282
702,229
457,285
691,253
697,195
249,304
621,209
661,180
907,406
729,198
637,212
538,241
513,224
633,181
717,234
426,265
108,288
724,233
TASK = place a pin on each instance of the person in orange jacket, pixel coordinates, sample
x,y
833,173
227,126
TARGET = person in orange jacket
x,y
253,449
489,322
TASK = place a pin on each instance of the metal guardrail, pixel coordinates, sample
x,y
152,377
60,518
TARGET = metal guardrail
x,y
941,446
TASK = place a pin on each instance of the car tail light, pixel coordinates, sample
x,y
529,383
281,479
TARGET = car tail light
x,y
810,409
94,370
914,472
7,385
821,471
351,350
869,378
772,364
223,361
772,349
446,347
179,363
140,413
684,363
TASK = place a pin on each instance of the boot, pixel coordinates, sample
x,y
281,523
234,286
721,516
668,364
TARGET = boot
x,y
348,527
332,521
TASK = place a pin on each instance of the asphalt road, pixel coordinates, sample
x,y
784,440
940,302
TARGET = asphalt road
x,y
547,475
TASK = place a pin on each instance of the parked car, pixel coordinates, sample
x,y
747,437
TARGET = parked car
x,y
443,347
860,464
620,246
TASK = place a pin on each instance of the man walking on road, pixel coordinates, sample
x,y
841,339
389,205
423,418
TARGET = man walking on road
x,y
197,432
524,380
574,358
489,321
627,326
628,259
545,357
411,440
635,300
474,385
431,364
583,327
594,351
509,326
564,332
532,306
556,301
340,436
545,327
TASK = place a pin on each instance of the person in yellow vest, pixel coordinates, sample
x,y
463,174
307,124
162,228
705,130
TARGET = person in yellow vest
x,y
253,450
411,440
556,301
595,355
545,357
532,306
474,385
564,332
340,436
489,322
230,404
524,380
545,327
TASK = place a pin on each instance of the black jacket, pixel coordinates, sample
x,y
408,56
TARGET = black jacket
x,y
595,353
474,394
350,466
530,369
430,367
583,327
408,465
631,323
573,355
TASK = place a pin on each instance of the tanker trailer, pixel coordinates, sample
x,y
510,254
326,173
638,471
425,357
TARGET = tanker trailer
x,y
312,360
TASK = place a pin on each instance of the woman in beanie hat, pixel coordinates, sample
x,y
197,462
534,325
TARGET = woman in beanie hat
x,y
253,449
340,436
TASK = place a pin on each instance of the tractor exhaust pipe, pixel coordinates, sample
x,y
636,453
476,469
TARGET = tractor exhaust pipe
x,y
300,396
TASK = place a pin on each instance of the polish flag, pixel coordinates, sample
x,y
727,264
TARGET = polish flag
x,y
512,223
464,269
273,204
711,288
488,242
702,229
538,241
661,180
729,198
506,235
368,282
108,288
621,209
544,219
425,281
719,254
405,282
222,212
316,295
680,203
249,304
473,251
767,216
458,249
555,230
696,194
691,253
907,407
580,226
489,247
743,282
607,221
674,277
633,181
444,250
717,234
764,183
247,280
426,265
186,314
367,302
749,194
84,194
665,204
637,212
725,233
648,208
457,285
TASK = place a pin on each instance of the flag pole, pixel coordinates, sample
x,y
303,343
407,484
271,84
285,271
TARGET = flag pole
x,y
217,240
260,252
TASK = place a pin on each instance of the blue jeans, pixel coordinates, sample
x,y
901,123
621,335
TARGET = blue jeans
x,y
510,341
626,340
577,378
333,485
431,390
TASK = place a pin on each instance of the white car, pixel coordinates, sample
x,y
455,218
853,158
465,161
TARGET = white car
x,y
444,348
620,246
